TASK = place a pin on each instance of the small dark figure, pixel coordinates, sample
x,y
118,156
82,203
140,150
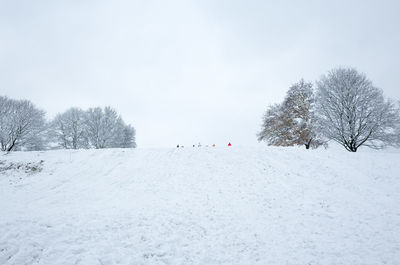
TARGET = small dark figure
x,y
177,146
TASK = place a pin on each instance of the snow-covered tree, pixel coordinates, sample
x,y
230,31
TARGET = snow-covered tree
x,y
353,112
292,122
126,136
5,113
21,125
105,129
274,128
299,110
397,130
69,129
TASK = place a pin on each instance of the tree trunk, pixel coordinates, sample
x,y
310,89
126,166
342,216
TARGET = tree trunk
x,y
308,144
351,148
11,146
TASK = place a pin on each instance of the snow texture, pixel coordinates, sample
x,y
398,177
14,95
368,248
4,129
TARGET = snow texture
x,y
200,206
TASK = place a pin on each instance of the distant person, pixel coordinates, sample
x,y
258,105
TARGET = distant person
x,y
177,146
199,145
194,145
229,144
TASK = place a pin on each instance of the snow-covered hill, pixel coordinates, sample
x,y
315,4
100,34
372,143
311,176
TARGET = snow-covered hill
x,y
200,206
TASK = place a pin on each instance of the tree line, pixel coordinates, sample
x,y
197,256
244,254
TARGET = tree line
x,y
24,127
343,106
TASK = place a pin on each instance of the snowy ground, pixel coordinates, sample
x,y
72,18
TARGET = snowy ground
x,y
200,206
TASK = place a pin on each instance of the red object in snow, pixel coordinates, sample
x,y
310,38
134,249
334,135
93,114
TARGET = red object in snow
x,y
229,144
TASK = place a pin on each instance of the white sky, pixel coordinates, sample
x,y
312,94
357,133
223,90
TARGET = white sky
x,y
189,71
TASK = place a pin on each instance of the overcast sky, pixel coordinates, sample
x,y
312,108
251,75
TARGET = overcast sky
x,y
189,71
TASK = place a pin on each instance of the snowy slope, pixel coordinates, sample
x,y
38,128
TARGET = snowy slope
x,y
200,206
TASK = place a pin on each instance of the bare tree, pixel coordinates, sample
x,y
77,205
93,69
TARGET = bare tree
x,y
292,122
69,129
353,112
21,125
